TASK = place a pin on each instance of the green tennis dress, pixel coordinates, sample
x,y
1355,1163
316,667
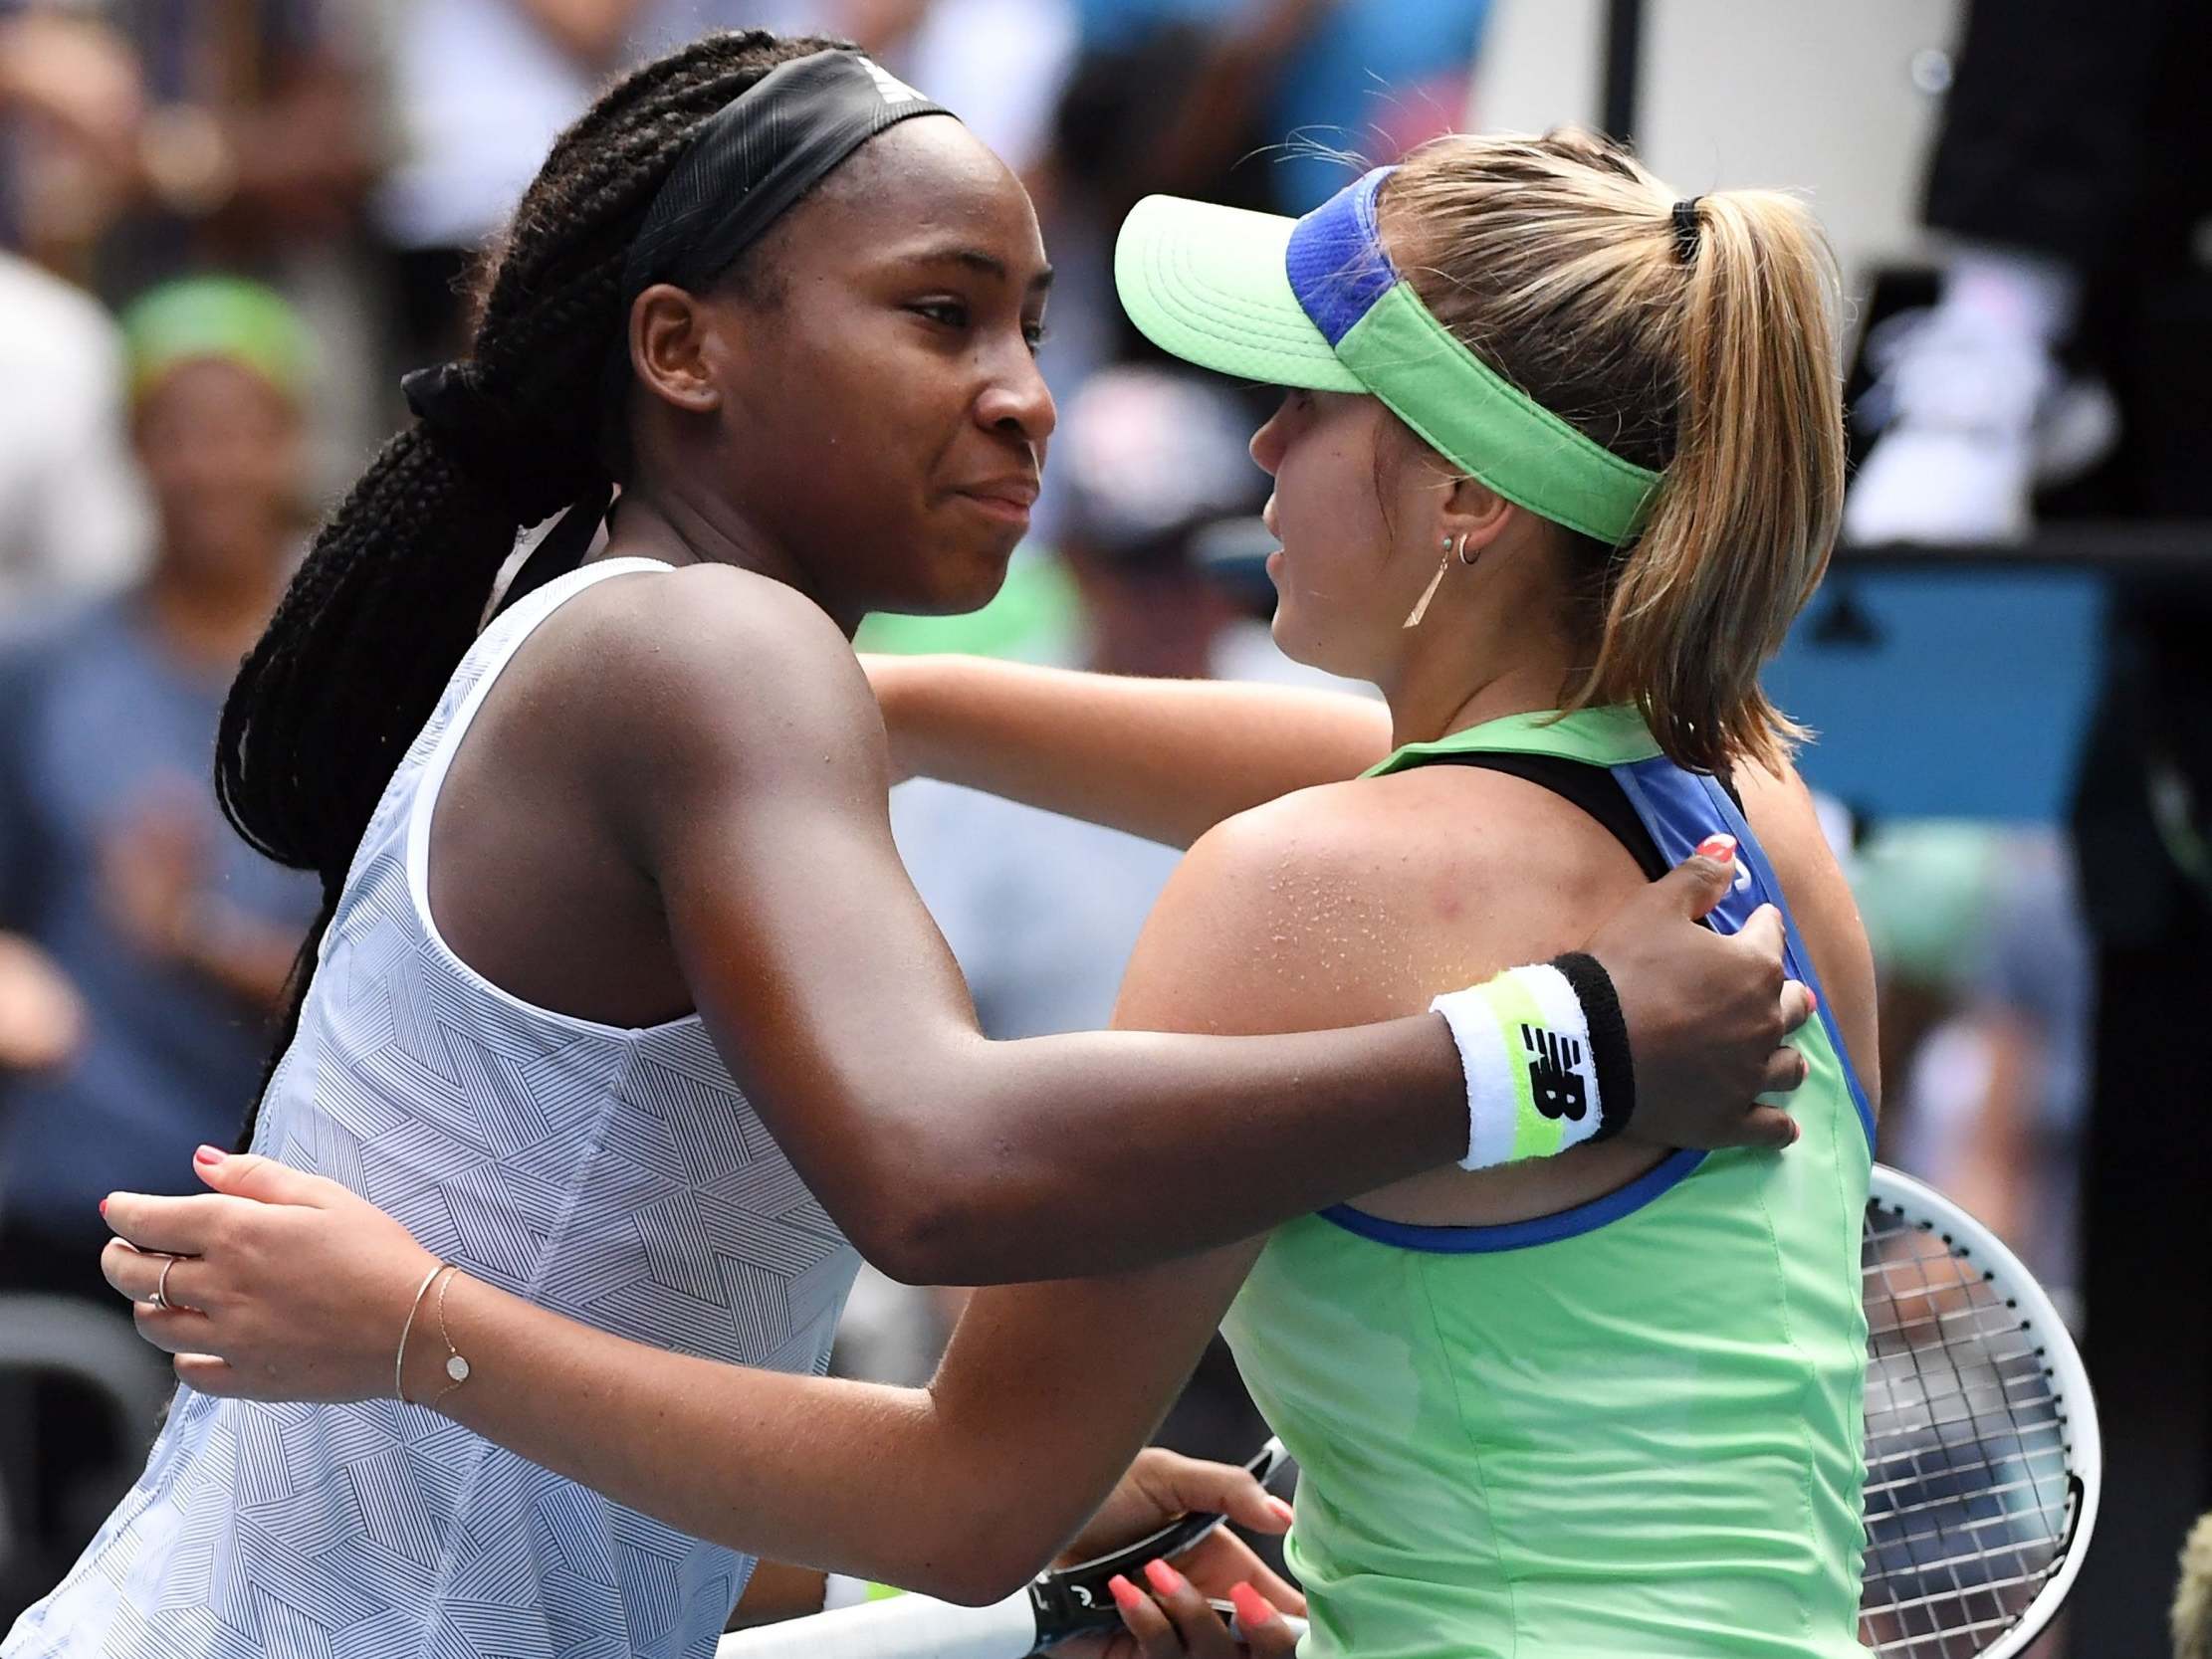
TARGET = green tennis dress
x,y
1630,1428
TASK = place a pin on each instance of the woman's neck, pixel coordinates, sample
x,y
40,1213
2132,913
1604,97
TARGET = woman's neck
x,y
1445,687
664,525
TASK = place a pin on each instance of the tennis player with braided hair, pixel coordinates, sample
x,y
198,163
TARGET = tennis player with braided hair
x,y
592,870
1556,442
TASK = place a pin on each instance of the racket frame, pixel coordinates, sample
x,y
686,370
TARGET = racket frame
x,y
1919,1204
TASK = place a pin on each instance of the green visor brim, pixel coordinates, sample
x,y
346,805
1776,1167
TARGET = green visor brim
x,y
1213,285
1208,285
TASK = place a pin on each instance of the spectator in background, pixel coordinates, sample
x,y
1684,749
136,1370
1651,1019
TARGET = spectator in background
x,y
480,87
154,133
72,518
143,137
114,861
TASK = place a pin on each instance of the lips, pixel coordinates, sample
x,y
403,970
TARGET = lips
x,y
1004,501
1017,493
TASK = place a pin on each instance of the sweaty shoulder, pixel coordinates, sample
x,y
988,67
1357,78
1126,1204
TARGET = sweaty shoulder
x,y
1361,901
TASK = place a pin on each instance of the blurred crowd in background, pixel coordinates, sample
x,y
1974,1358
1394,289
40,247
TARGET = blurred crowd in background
x,y
228,225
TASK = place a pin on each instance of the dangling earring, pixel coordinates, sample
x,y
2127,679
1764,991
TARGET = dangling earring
x,y
1420,608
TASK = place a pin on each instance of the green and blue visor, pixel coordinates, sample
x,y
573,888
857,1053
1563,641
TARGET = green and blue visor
x,y
1318,302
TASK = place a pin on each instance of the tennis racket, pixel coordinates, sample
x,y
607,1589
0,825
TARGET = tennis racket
x,y
1067,1602
1983,1467
1983,1462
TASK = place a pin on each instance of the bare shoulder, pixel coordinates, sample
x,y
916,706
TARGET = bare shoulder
x,y
1360,900
709,672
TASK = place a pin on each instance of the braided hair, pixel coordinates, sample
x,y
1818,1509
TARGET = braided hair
x,y
390,595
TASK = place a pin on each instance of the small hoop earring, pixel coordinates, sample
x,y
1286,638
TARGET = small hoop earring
x,y
1459,548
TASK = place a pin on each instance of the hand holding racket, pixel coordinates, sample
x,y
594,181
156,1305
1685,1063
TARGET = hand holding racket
x,y
1076,1597
1178,1610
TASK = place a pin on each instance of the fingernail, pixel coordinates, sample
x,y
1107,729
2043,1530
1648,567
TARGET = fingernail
x,y
1811,1000
1284,1511
1163,1578
104,1206
1797,1131
1253,1609
1719,848
208,1155
1126,1594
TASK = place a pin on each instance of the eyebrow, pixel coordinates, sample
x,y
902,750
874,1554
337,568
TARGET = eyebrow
x,y
974,258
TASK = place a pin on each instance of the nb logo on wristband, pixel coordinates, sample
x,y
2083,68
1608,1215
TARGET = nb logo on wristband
x,y
1555,1083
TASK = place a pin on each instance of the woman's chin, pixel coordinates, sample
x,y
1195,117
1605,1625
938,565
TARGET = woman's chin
x,y
961,581
1313,647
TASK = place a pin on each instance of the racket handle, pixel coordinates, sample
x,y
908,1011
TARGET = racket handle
x,y
904,1627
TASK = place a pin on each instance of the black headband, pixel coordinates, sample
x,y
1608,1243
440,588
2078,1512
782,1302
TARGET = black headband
x,y
762,152
747,167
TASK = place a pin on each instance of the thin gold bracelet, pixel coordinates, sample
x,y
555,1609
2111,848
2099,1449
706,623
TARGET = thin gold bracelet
x,y
456,1367
399,1365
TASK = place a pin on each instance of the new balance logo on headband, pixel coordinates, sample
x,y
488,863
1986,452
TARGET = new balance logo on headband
x,y
894,89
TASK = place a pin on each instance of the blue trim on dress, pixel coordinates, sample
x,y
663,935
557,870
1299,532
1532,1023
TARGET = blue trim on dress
x,y
1668,1172
1678,808
1336,262
1677,825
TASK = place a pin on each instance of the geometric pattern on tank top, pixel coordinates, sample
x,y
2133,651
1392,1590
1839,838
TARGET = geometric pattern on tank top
x,y
617,1176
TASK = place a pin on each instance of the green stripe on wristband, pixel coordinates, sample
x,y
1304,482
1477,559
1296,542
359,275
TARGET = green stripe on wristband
x,y
1514,1006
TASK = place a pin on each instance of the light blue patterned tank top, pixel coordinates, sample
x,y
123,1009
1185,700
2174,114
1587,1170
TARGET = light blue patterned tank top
x,y
615,1176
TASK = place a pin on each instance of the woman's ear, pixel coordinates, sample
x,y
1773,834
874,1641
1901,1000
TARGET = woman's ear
x,y
673,346
1473,517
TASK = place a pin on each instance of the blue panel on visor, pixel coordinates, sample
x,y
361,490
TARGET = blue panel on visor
x,y
1336,262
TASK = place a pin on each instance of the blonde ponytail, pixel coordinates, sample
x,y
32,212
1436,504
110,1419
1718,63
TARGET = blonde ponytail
x,y
1710,356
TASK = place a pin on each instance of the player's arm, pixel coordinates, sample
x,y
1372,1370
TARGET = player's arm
x,y
762,817
960,1490
963,1489
1167,759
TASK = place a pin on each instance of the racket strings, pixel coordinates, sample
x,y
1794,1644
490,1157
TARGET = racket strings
x,y
1968,1496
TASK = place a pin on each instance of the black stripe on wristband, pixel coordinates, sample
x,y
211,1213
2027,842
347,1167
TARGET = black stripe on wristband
x,y
1609,1039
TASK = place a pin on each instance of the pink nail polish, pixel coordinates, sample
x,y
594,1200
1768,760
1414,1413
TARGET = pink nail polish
x,y
1126,1594
1163,1578
1719,848
1253,1609
1284,1511
207,1155
104,1206
1812,999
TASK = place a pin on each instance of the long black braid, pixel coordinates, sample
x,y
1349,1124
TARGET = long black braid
x,y
391,593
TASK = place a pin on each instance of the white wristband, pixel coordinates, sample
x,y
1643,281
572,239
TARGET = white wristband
x,y
1531,1072
840,1590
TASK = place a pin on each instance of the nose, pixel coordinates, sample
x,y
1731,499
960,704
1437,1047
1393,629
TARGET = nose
x,y
1016,400
1270,442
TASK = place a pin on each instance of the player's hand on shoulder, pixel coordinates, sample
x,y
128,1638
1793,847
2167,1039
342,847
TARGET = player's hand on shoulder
x,y
1707,1015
